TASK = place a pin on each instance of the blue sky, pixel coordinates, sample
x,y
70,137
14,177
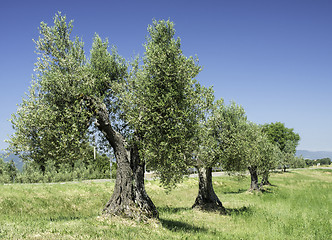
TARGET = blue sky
x,y
272,57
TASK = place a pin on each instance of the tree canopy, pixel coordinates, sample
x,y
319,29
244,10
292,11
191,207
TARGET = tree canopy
x,y
161,106
285,138
50,123
148,111
145,112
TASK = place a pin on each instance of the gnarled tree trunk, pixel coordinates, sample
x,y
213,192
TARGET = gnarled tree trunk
x,y
207,198
254,178
265,179
129,198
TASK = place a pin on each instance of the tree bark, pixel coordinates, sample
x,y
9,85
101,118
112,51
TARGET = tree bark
x,y
265,179
254,178
207,198
129,198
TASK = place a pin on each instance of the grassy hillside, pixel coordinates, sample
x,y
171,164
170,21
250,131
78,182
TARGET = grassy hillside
x,y
298,206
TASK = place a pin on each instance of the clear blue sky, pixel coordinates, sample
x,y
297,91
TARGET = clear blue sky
x,y
272,57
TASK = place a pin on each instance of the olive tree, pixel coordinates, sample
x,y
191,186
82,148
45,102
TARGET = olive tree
x,y
220,141
144,113
270,158
50,124
285,138
160,105
260,155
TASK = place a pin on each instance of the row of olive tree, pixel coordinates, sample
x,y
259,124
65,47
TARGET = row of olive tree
x,y
227,139
148,112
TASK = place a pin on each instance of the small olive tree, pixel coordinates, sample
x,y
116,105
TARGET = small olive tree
x,y
286,140
220,141
260,155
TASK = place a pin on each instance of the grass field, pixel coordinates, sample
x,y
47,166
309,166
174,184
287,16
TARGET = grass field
x,y
297,206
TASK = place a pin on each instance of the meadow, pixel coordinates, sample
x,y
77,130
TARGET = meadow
x,y
297,206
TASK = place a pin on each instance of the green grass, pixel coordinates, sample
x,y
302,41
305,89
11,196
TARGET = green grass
x,y
297,206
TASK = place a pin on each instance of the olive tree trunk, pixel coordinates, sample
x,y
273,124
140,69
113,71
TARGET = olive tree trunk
x,y
207,198
129,198
265,179
285,168
254,178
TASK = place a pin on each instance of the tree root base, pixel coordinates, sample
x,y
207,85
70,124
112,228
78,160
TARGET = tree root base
x,y
210,207
131,212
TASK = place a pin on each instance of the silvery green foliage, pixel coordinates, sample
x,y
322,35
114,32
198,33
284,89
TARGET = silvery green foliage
x,y
222,135
230,140
162,103
154,105
205,152
230,121
259,151
269,154
108,73
51,122
283,138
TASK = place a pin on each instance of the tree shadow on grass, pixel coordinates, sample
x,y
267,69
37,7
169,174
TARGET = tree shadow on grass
x,y
172,209
239,211
235,192
177,226
65,218
268,189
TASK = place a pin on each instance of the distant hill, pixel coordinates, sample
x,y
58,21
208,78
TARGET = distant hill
x,y
18,162
314,155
